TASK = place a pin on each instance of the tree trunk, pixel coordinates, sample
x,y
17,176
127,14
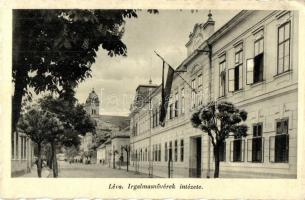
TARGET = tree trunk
x,y
54,160
50,158
216,156
19,69
39,161
19,90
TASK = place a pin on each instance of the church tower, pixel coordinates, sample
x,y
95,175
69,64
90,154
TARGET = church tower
x,y
92,104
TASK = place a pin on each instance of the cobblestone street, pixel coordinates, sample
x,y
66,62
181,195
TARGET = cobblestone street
x,y
78,170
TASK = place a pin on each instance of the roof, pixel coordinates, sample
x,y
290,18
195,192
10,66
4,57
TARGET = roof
x,y
92,97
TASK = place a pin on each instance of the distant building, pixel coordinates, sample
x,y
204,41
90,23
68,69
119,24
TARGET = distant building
x,y
111,152
254,64
106,126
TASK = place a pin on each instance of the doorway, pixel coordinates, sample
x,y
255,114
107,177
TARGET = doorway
x,y
195,157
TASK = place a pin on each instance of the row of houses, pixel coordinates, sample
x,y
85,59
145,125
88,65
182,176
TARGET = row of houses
x,y
106,145
251,61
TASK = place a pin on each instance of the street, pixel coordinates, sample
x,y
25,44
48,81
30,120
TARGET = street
x,y
78,170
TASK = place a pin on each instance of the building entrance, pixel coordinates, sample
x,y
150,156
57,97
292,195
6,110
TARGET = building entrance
x,y
195,157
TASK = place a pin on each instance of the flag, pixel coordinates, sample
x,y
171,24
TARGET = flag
x,y
165,94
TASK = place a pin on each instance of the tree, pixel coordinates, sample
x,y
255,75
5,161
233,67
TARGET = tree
x,y
71,152
220,121
54,49
39,125
74,118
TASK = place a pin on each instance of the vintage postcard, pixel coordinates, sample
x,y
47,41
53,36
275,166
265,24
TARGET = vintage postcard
x,y
177,100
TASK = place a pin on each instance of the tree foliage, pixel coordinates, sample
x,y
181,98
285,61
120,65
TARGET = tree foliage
x,y
40,126
54,49
220,121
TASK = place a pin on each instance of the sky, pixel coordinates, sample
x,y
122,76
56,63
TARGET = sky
x,y
115,79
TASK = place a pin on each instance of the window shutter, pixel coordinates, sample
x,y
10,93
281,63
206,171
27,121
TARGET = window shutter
x,y
240,76
250,68
271,148
231,79
249,152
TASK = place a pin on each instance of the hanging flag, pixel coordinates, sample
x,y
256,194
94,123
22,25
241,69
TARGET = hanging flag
x,y
166,91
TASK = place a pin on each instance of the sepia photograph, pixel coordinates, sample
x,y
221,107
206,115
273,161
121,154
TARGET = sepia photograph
x,y
154,93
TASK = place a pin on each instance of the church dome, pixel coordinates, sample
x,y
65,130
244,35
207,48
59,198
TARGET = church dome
x,y
92,97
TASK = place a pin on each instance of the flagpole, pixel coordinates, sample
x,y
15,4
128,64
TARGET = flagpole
x,y
193,89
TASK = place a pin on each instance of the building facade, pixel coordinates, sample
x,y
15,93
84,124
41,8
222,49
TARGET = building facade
x,y
22,154
251,61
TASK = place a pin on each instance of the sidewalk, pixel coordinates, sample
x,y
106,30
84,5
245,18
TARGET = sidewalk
x,y
45,173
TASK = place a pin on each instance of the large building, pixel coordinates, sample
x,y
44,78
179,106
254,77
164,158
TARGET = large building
x,y
106,127
251,61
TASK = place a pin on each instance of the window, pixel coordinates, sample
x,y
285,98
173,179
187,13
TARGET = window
x,y
281,142
176,151
193,94
135,129
255,145
159,157
21,149
283,58
17,145
237,150
157,116
181,150
255,67
235,74
166,152
154,153
154,119
222,151
24,147
145,154
176,104
182,101
157,152
170,153
222,76
199,99
171,111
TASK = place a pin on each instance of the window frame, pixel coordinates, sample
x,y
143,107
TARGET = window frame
x,y
181,150
175,150
282,134
222,72
254,137
224,152
283,42
239,51
193,93
262,38
182,100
